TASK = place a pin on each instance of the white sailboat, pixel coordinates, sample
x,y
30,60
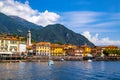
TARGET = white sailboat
x,y
50,62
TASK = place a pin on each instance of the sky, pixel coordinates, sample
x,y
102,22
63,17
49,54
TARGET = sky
x,y
97,20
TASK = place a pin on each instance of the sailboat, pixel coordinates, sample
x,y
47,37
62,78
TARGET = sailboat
x,y
50,62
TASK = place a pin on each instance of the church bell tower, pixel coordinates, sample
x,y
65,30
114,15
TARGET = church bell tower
x,y
29,38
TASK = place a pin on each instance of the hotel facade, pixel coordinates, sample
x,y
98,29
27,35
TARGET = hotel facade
x,y
11,45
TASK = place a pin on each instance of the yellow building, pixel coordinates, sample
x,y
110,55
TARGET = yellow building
x,y
57,50
42,48
70,49
86,49
79,51
8,44
69,46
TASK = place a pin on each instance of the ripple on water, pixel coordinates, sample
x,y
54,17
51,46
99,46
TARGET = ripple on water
x,y
68,70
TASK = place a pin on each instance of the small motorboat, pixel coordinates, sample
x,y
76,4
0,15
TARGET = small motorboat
x,y
89,60
62,59
50,62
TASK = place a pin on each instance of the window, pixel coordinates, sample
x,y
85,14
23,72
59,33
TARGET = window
x,y
13,42
13,48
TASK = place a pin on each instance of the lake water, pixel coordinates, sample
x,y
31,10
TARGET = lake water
x,y
67,70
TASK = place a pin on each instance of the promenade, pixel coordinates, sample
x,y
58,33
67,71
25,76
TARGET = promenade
x,y
54,58
39,58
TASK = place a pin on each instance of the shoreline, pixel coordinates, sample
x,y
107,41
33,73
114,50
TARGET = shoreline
x,y
55,58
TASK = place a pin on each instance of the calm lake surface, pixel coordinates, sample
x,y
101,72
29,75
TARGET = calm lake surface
x,y
67,70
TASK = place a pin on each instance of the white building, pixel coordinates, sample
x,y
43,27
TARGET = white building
x,y
22,48
10,45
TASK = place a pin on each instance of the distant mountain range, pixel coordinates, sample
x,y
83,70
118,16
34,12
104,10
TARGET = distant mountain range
x,y
56,33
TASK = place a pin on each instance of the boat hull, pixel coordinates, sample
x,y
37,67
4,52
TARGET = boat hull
x,y
50,62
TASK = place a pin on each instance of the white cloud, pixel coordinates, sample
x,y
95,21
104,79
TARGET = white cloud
x,y
97,41
80,21
80,18
12,7
95,22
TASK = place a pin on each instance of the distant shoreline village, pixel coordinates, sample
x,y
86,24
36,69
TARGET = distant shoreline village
x,y
14,48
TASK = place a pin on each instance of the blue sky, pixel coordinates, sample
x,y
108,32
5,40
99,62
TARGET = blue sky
x,y
98,20
75,5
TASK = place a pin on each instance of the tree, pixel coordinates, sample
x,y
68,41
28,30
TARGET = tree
x,y
106,52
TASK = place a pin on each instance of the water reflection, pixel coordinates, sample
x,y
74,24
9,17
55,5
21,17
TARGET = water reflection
x,y
67,70
102,66
88,65
7,70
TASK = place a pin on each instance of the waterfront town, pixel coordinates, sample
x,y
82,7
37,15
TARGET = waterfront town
x,y
13,48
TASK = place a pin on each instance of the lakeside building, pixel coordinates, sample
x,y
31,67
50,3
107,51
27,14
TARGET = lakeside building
x,y
11,45
111,50
22,49
70,49
8,44
86,49
57,50
96,51
42,48
79,52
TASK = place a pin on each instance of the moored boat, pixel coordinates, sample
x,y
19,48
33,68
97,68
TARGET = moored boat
x,y
88,58
62,60
50,62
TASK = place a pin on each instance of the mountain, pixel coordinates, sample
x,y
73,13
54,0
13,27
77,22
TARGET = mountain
x,y
53,33
9,25
26,23
60,34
